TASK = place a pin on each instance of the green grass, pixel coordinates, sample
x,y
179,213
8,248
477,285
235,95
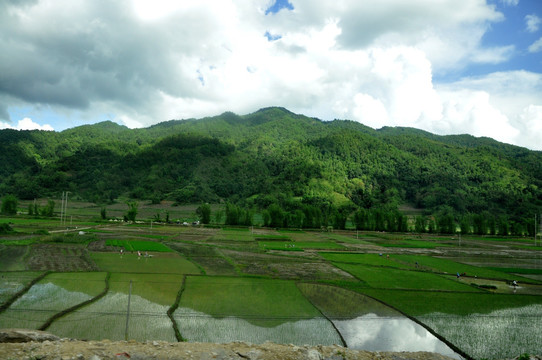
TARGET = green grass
x,y
139,245
387,278
166,263
260,301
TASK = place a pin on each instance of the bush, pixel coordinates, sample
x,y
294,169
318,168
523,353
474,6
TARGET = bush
x,y
5,228
9,205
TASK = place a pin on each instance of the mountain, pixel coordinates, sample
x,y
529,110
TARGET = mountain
x,y
274,156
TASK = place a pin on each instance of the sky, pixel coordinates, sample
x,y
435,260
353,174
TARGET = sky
x,y
444,66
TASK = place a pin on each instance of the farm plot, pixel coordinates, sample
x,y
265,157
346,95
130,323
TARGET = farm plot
x,y
367,324
366,259
138,245
49,297
151,297
249,309
59,257
298,245
165,263
11,257
13,282
233,234
389,278
284,267
497,335
453,267
208,257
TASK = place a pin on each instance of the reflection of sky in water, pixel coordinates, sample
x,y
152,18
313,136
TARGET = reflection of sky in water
x,y
374,333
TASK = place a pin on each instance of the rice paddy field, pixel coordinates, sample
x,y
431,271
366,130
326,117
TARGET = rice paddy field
x,y
365,290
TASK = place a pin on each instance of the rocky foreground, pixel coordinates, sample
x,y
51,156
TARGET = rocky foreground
x,y
26,344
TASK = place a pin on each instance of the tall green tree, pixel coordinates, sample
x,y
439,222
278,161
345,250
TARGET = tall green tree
x,y
131,214
204,213
9,205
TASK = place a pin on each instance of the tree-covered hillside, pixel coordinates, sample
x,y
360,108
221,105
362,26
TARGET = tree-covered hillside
x,y
274,159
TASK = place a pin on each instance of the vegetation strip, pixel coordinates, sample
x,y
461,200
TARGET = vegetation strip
x,y
23,291
172,309
328,319
78,306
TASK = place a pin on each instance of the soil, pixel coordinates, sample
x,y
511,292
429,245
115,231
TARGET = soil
x,y
65,349
59,257
285,267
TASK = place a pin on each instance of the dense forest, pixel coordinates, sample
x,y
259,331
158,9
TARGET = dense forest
x,y
297,171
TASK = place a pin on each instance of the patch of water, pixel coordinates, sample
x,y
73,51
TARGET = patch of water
x,y
198,326
390,333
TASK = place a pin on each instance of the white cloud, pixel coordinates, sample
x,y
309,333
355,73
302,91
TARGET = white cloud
x,y
370,61
510,2
502,105
26,124
536,46
532,23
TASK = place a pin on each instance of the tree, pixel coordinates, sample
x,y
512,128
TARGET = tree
x,y
420,224
219,214
204,213
9,205
49,209
103,213
132,211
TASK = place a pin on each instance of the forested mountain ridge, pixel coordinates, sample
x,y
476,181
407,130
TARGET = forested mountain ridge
x,y
276,157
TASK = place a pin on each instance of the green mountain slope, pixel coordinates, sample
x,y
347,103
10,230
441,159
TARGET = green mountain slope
x,y
274,156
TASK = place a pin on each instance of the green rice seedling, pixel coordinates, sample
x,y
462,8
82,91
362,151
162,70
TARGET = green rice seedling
x,y
496,335
389,278
164,263
106,319
247,298
160,289
139,245
90,283
453,267
199,326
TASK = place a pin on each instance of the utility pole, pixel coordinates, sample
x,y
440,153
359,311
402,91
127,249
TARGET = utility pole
x,y
61,208
128,312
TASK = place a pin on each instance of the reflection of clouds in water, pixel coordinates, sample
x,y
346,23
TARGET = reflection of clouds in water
x,y
374,333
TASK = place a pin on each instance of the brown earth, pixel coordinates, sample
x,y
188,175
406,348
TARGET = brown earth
x,y
41,345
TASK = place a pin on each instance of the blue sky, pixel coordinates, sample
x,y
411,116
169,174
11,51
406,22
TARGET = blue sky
x,y
446,66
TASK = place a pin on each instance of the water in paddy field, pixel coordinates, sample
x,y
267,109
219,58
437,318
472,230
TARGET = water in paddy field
x,y
201,327
500,334
390,333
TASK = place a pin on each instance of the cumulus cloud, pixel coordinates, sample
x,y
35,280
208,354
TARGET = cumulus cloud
x,y
372,62
536,46
26,124
532,23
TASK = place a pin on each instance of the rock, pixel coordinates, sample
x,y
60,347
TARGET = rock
x,y
23,335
